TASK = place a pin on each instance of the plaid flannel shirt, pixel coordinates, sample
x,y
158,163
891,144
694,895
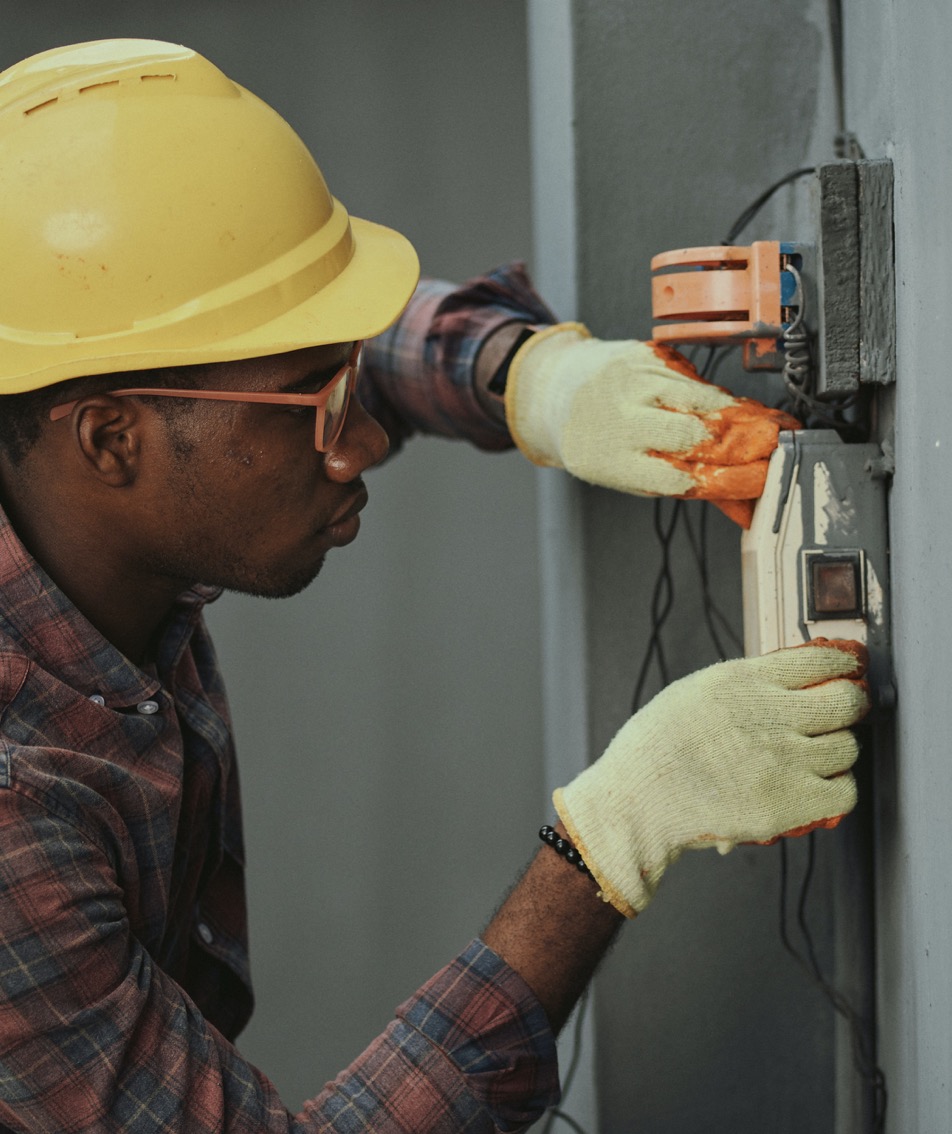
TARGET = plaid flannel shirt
x,y
123,945
418,375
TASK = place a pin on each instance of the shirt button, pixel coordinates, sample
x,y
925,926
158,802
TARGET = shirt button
x,y
205,933
147,708
98,699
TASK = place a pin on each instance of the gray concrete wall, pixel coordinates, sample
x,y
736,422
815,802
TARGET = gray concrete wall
x,y
899,101
389,719
683,114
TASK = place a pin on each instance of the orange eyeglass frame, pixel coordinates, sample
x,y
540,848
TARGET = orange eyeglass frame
x,y
342,383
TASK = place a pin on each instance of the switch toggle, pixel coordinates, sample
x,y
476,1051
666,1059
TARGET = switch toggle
x,y
834,584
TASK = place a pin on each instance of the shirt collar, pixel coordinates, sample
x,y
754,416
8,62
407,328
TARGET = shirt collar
x,y
45,625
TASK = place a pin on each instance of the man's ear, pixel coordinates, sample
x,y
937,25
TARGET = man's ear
x,y
108,432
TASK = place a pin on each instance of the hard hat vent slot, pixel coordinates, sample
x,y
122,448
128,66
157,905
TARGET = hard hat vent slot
x,y
41,105
97,86
146,78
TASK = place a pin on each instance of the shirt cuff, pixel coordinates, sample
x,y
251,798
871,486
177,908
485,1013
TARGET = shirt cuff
x,y
419,373
471,1050
485,1020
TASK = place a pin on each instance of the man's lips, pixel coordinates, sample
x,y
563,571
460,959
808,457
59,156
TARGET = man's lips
x,y
345,524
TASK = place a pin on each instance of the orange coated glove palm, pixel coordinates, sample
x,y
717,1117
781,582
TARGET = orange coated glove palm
x,y
638,418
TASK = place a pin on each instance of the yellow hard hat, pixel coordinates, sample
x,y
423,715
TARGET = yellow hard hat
x,y
155,213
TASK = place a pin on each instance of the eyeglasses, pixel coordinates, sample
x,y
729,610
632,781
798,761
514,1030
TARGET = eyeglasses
x,y
330,402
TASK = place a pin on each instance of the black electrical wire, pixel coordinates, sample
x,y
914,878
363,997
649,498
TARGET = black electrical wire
x,y
850,414
662,599
723,354
555,1112
837,415
804,404
835,13
755,206
714,618
860,1030
580,1014
850,417
845,143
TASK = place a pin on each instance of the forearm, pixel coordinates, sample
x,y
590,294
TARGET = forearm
x,y
427,373
553,930
471,1049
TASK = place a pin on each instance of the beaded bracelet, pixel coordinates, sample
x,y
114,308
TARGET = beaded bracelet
x,y
563,847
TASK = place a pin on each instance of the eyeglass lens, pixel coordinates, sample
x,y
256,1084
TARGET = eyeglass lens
x,y
335,409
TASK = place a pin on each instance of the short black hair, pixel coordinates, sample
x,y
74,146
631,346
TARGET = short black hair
x,y
22,415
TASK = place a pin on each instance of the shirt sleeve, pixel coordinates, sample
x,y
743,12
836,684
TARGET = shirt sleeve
x,y
418,375
94,1036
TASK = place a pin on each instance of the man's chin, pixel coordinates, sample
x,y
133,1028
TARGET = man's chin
x,y
276,588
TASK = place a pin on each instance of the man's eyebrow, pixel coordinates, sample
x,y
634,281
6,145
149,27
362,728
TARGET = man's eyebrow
x,y
311,382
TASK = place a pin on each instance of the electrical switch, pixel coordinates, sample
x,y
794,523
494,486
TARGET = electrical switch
x,y
815,560
834,585
841,285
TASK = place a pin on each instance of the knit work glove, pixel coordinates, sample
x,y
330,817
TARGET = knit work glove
x,y
637,417
743,751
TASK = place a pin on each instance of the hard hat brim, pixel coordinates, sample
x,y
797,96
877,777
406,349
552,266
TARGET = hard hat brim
x,y
364,300
360,302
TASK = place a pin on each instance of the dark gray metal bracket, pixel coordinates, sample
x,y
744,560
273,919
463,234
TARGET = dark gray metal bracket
x,y
855,276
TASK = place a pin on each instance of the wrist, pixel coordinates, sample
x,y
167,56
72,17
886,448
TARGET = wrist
x,y
491,369
543,382
557,838
609,848
552,931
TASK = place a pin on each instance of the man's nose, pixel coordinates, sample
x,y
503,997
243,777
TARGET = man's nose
x,y
362,444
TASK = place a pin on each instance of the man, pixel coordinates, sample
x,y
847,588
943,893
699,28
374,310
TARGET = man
x,y
182,308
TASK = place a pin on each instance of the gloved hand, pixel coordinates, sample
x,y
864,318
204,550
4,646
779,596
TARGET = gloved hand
x,y
743,751
637,417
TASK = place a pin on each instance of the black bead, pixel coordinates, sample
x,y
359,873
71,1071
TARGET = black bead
x,y
563,847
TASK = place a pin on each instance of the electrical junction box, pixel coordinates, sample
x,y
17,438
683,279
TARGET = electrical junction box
x,y
736,295
815,559
841,286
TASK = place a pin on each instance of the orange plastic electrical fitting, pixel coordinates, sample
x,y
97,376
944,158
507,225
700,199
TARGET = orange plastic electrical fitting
x,y
718,296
